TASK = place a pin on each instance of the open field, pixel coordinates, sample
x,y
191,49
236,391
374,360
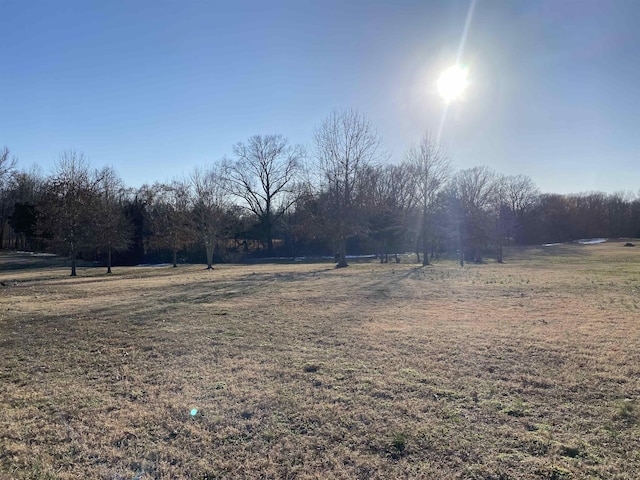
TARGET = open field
x,y
525,370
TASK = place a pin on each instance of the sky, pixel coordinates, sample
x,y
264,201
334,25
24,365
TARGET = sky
x,y
155,88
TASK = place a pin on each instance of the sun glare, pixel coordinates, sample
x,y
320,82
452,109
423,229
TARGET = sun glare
x,y
452,83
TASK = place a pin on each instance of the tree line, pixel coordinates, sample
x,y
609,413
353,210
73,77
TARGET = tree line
x,y
273,198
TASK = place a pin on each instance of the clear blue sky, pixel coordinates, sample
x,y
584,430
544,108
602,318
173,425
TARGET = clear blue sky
x,y
156,87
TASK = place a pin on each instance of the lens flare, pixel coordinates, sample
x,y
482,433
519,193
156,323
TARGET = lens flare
x,y
452,83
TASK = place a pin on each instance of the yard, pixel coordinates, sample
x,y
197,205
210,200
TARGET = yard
x,y
530,369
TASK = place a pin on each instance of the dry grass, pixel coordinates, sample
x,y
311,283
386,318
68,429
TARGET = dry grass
x,y
524,370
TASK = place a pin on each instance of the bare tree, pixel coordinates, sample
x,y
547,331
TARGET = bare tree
x,y
7,164
7,167
619,212
210,207
521,194
114,227
514,197
346,145
262,177
430,169
471,194
68,211
402,200
504,218
27,185
170,217
372,201
388,202
24,193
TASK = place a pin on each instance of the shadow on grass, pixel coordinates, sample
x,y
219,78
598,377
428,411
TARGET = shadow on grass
x,y
284,277
25,261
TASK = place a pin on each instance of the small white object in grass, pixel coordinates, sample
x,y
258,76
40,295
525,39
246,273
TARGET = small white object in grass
x,y
194,412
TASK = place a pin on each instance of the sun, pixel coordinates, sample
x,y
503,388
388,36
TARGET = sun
x,y
452,83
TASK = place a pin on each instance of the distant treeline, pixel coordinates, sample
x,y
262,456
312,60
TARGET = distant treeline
x,y
274,199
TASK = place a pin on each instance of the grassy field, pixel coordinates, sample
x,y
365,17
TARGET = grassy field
x,y
525,370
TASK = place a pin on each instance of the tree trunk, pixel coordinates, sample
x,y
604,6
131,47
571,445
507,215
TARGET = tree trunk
x,y
460,246
342,254
382,253
73,260
209,248
425,251
175,257
425,238
293,247
109,260
269,235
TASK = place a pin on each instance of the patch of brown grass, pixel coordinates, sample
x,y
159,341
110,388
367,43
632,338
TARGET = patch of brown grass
x,y
523,370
